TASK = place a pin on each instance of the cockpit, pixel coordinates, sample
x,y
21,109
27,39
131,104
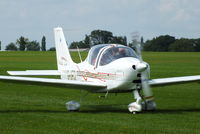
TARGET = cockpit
x,y
104,54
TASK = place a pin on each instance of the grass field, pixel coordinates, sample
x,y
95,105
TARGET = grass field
x,y
37,109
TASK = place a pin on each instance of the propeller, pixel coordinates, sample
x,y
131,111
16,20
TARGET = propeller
x,y
142,67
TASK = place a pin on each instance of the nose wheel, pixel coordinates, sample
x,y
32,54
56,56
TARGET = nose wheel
x,y
135,107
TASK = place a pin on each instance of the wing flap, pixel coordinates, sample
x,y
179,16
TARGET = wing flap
x,y
34,72
174,80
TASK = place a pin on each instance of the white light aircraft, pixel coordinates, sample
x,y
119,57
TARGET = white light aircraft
x,y
109,68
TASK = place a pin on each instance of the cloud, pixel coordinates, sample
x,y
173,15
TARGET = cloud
x,y
179,10
181,15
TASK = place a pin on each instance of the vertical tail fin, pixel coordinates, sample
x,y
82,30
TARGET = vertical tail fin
x,y
62,51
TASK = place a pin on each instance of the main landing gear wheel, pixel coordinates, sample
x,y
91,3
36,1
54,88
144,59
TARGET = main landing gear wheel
x,y
73,105
149,105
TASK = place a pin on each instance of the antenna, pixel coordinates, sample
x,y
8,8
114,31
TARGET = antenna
x,y
79,54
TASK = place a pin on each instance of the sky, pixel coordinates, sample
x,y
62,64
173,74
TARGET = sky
x,y
150,18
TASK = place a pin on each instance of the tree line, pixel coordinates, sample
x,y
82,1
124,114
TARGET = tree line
x,y
99,37
24,44
163,43
167,43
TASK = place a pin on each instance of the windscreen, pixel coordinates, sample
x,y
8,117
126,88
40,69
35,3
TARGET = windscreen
x,y
116,52
94,52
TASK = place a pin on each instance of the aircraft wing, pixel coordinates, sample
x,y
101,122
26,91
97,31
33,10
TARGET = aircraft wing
x,y
174,80
34,72
56,82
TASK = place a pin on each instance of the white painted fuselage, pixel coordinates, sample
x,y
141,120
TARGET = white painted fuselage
x,y
119,75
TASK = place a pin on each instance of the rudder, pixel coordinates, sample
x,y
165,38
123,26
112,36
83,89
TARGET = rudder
x,y
62,52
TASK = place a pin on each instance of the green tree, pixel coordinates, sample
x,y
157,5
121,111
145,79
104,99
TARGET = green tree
x,y
43,43
197,45
100,37
11,47
33,46
142,41
22,42
0,45
52,49
119,40
73,45
160,43
87,41
182,45
80,44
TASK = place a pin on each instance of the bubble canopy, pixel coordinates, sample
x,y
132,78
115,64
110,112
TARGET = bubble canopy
x,y
104,54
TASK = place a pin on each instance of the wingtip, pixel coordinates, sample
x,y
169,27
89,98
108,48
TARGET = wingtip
x,y
10,73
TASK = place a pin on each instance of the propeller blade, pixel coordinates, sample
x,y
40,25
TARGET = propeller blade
x,y
139,51
148,103
142,67
148,94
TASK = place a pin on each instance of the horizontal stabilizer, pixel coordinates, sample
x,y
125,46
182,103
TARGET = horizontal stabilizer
x,y
34,72
174,80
